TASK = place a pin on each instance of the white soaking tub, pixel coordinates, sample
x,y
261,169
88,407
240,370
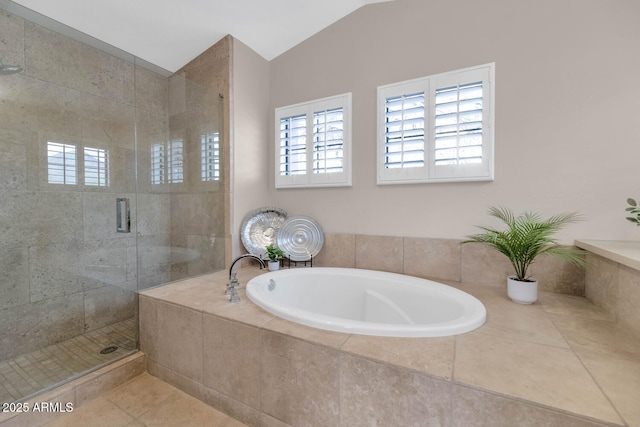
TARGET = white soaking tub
x,y
367,302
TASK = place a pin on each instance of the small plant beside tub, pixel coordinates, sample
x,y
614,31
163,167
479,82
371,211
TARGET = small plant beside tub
x,y
275,254
526,237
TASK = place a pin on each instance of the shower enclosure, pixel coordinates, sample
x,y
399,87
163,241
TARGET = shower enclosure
x,y
111,181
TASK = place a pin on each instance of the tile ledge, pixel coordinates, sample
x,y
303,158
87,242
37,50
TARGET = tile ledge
x,y
625,252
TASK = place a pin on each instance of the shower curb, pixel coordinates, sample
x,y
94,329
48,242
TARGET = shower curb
x,y
71,396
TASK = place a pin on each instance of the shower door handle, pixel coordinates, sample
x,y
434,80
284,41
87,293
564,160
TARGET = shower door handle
x,y
123,215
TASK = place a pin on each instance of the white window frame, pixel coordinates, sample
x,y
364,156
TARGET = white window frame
x,y
430,173
308,178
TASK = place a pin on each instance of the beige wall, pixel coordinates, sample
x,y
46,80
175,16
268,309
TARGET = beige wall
x,y
567,90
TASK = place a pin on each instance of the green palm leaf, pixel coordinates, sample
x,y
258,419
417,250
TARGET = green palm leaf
x,y
526,237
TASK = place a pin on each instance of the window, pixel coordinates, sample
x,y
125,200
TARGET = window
x,y
404,133
210,154
313,143
293,145
62,166
167,162
437,128
96,167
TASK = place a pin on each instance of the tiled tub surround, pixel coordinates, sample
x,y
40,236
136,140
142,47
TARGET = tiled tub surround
x,y
562,361
443,259
612,280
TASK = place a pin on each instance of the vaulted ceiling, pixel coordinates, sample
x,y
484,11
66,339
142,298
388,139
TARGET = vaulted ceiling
x,y
171,33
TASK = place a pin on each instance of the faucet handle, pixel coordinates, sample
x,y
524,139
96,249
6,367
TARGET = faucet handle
x,y
233,284
233,295
234,281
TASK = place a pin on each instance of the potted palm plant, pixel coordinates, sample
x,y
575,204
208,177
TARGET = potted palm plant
x,y
275,254
526,237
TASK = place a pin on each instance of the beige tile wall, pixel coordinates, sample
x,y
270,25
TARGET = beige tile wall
x,y
248,366
616,288
443,259
67,269
199,102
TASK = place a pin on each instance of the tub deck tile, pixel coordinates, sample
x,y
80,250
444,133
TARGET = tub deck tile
x,y
432,356
562,358
551,376
307,333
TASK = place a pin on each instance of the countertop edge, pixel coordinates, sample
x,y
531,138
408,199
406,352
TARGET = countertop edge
x,y
625,252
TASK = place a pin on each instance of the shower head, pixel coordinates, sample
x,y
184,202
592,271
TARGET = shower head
x,y
9,69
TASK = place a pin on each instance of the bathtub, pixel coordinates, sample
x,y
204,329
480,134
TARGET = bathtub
x,y
366,302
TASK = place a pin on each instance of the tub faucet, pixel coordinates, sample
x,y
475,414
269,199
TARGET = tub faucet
x,y
233,285
257,258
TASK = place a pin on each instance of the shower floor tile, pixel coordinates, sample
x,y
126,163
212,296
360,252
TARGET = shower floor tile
x,y
33,372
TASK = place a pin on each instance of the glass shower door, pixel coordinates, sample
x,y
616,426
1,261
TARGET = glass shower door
x,y
110,182
68,273
181,203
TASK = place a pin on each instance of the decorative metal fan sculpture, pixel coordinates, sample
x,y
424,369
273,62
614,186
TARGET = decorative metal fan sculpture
x,y
260,227
300,237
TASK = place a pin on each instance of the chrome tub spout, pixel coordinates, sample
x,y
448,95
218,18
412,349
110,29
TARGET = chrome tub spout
x,y
257,258
233,285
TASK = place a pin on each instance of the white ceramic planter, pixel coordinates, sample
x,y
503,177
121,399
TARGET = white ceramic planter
x,y
273,265
522,292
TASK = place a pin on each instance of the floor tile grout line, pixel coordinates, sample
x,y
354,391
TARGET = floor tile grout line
x,y
586,368
28,373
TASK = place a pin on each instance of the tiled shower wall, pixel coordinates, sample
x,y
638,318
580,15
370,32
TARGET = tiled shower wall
x,y
65,269
199,102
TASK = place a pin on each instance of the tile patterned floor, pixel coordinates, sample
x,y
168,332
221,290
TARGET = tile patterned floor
x,y
145,401
32,372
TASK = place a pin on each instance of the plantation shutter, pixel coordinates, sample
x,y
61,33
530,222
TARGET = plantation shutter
x,y
437,128
328,141
210,156
175,162
96,167
462,135
458,124
313,143
167,162
404,131
293,145
62,167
